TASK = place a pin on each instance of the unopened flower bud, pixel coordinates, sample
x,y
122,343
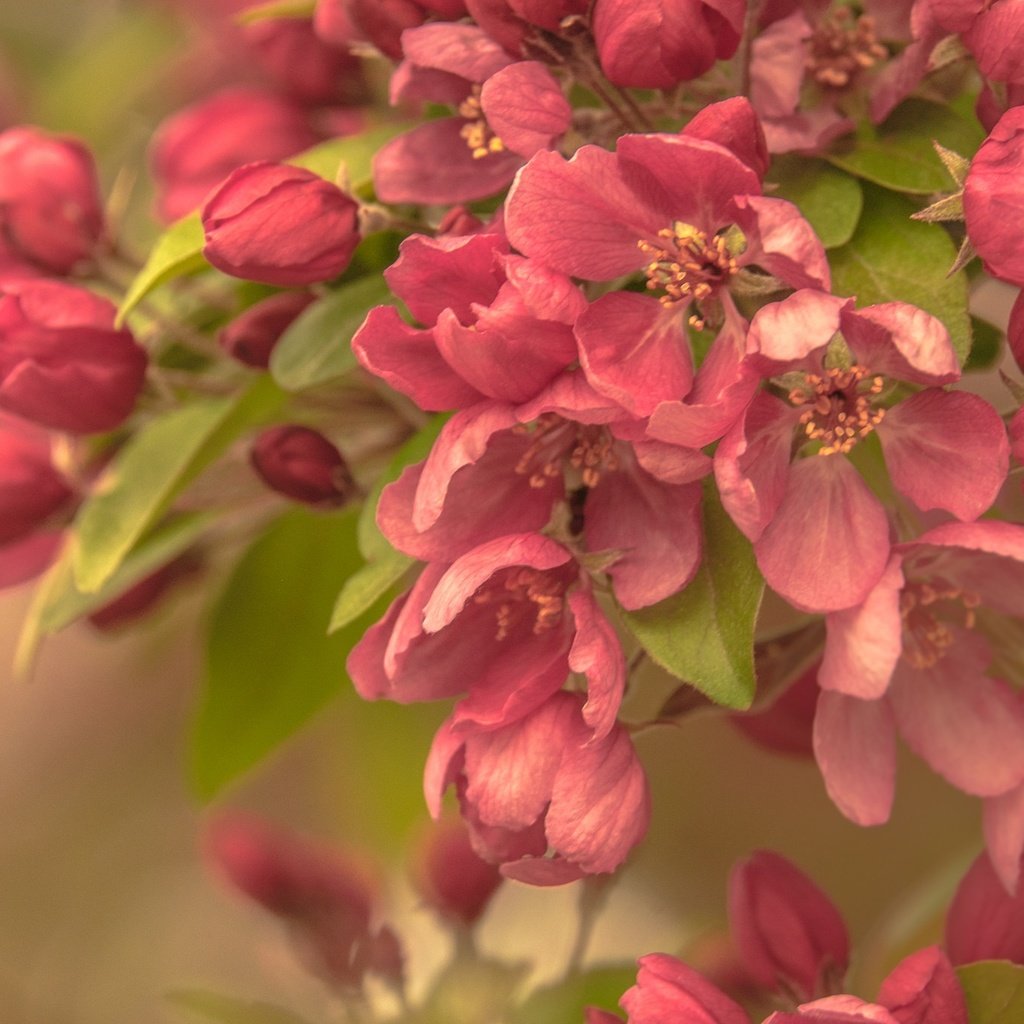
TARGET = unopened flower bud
x,y
139,599
197,148
31,489
984,921
450,876
668,990
63,364
50,208
303,465
788,932
280,225
251,336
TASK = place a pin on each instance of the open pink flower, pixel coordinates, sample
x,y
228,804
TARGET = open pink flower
x,y
913,659
543,796
943,449
506,623
507,111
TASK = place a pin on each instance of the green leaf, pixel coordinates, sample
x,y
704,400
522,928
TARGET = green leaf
x,y
704,635
367,586
471,992
151,470
893,258
987,347
270,664
355,152
899,153
830,199
317,346
372,543
177,252
220,1009
276,9
994,990
566,1001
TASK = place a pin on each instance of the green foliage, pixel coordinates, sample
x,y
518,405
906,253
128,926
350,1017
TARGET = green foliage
x,y
154,467
372,543
317,346
199,1005
367,586
987,348
566,1001
899,154
830,199
349,157
270,664
177,252
893,258
272,9
57,602
470,992
994,990
704,635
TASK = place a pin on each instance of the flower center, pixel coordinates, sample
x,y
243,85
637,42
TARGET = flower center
x,y
586,448
841,408
525,591
927,609
478,135
688,265
842,45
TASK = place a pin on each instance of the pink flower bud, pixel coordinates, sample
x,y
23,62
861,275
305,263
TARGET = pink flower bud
x,y
251,336
31,489
197,148
62,362
280,225
923,989
668,990
449,875
786,929
303,465
984,921
138,600
50,209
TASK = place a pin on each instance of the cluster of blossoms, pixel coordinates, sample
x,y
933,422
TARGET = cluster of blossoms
x,y
625,342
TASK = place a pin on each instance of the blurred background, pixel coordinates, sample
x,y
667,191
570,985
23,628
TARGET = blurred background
x,y
105,904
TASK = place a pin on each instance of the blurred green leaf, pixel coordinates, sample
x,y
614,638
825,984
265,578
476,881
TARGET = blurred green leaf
x,y
994,990
566,1001
367,586
177,252
828,198
704,635
470,992
372,543
152,469
987,347
57,602
892,258
356,152
317,346
899,155
270,664
221,1009
276,9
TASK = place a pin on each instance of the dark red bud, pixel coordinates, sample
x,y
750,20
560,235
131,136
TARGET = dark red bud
x,y
251,336
303,465
138,600
31,489
280,225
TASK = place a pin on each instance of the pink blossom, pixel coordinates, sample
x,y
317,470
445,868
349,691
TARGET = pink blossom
x,y
993,30
788,932
381,22
542,795
63,364
513,23
506,112
303,465
985,921
912,659
668,990
504,623
945,450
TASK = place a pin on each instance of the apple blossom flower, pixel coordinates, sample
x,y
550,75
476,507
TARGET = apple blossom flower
x,y
985,920
993,32
63,364
505,623
507,111
279,224
380,22
251,336
788,932
514,23
667,989
913,658
50,208
945,450
543,796
303,465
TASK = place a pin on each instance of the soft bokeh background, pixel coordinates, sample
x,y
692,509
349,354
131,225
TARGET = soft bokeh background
x,y
104,904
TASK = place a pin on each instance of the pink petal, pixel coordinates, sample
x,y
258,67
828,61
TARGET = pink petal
x,y
984,921
732,123
778,56
525,107
668,990
924,989
946,449
29,557
780,241
1003,820
855,747
545,871
597,654
784,334
442,767
463,50
864,643
829,541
